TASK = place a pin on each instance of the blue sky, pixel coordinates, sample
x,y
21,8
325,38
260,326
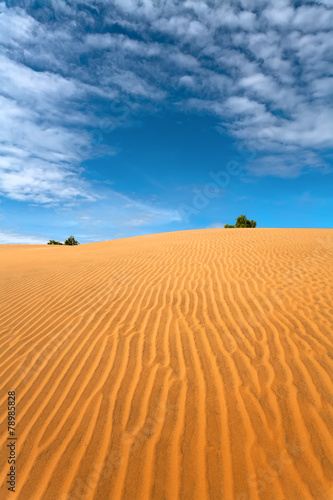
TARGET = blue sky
x,y
125,117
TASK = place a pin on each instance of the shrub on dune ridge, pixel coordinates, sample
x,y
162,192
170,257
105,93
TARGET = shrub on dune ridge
x,y
242,221
53,242
70,241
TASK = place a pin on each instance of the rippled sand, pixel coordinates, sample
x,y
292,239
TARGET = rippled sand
x,y
185,365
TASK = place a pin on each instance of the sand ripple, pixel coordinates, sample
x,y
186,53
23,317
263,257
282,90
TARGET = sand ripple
x,y
190,365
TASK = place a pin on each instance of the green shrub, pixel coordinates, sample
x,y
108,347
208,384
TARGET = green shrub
x,y
242,221
71,241
53,242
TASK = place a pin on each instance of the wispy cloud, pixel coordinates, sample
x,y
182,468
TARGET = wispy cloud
x,y
216,225
41,145
116,210
255,65
7,238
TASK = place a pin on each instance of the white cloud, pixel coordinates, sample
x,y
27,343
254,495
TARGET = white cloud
x,y
15,27
227,16
40,145
184,60
287,165
278,16
313,19
243,105
187,81
147,214
131,83
328,3
254,64
116,210
8,238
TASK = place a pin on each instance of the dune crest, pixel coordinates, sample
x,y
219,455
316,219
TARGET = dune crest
x,y
184,365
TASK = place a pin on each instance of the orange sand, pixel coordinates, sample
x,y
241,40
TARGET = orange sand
x,y
185,365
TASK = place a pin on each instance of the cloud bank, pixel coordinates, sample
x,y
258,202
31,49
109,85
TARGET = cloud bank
x,y
68,71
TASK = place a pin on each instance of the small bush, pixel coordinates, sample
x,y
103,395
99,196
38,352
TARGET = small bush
x,y
53,242
71,241
242,221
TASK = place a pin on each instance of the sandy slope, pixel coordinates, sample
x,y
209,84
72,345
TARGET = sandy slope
x,y
190,365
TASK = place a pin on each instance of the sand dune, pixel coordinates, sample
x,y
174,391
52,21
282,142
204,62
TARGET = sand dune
x,y
186,365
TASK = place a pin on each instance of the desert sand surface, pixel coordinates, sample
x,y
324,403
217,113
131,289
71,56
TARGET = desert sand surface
x,y
184,365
